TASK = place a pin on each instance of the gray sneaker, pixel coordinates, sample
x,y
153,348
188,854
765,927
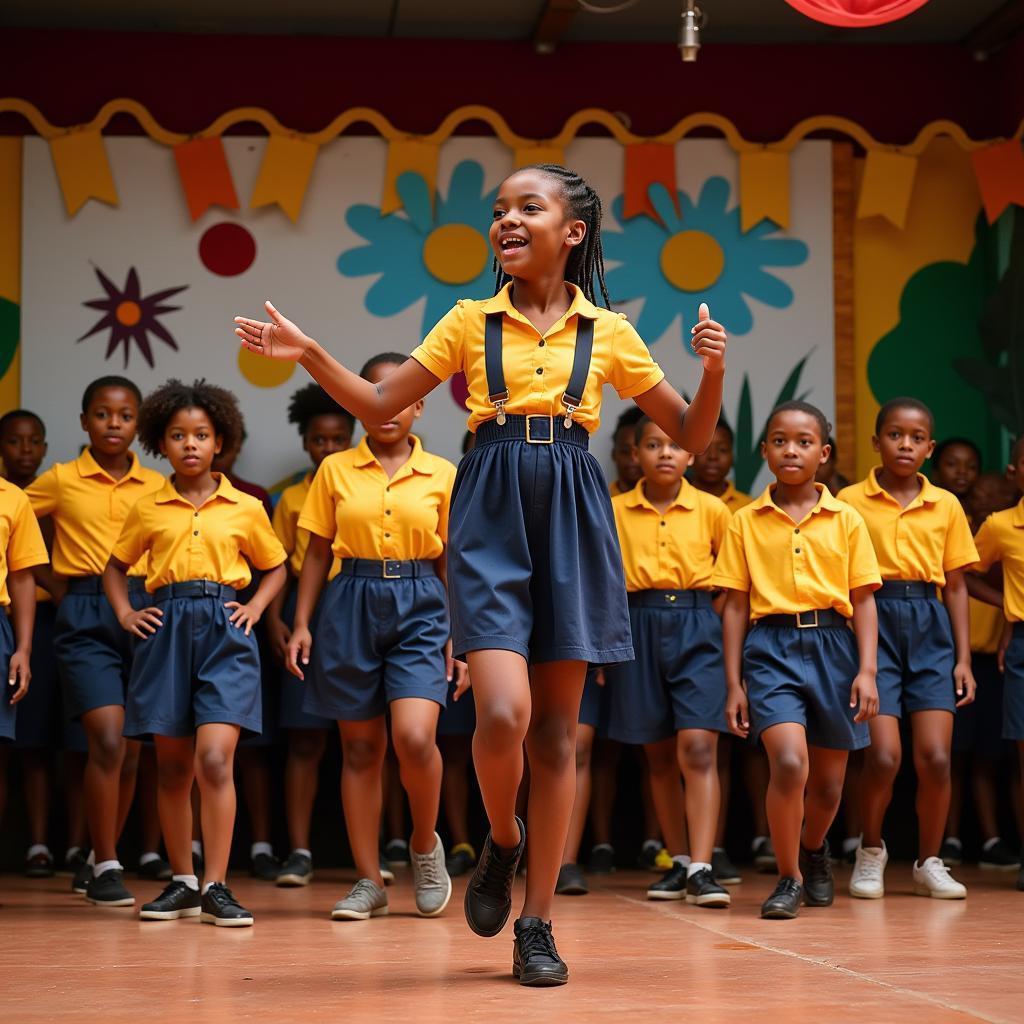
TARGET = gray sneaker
x,y
430,877
365,899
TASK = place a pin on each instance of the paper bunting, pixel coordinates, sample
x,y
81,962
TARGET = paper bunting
x,y
408,155
648,163
764,188
887,186
1000,173
80,160
526,155
205,176
284,174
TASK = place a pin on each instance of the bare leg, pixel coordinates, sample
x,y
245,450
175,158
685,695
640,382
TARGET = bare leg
x,y
74,797
455,754
581,804
149,813
363,745
175,758
667,791
724,759
214,768
413,733
824,793
755,777
786,745
35,778
697,758
604,784
305,751
932,739
103,782
881,763
254,767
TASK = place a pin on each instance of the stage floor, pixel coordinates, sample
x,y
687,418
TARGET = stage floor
x,y
898,959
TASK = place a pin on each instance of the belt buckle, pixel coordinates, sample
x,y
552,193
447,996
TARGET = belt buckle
x,y
391,563
530,439
209,588
813,624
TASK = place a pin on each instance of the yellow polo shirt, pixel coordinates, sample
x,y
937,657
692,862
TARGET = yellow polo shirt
x,y
21,540
286,525
733,499
789,567
671,551
1001,539
216,541
88,508
367,515
923,541
537,368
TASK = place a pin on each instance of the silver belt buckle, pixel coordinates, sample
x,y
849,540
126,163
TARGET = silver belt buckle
x,y
392,569
813,624
530,439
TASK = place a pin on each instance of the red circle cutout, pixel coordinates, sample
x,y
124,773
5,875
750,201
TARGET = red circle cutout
x,y
227,249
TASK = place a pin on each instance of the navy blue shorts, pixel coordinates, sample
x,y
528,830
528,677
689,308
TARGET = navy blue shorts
x,y
459,716
534,560
196,669
1013,687
804,676
293,689
94,654
40,716
678,680
595,705
8,711
915,650
377,640
978,727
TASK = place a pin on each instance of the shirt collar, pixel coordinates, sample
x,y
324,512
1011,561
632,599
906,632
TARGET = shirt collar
x,y
928,495
88,466
415,464
826,502
1018,513
684,499
580,306
226,490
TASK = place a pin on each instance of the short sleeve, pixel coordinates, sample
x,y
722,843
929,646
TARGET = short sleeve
x,y
318,511
633,370
134,540
25,546
987,544
731,569
445,506
44,492
262,547
863,565
960,550
443,349
719,526
284,523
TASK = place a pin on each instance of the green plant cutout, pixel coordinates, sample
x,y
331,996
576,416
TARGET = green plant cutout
x,y
10,332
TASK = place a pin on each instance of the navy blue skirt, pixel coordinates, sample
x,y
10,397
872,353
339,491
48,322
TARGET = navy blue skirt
x,y
534,559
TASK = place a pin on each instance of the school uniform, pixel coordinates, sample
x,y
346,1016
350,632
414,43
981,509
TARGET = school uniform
x,y
677,680
384,618
978,726
734,499
534,561
197,667
915,546
1001,539
88,508
21,547
800,656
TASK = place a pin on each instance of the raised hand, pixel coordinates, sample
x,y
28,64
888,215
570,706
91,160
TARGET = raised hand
x,y
277,339
709,340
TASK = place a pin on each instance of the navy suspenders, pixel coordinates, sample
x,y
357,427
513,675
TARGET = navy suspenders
x,y
497,391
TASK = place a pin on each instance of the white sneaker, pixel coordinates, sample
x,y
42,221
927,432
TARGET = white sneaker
x,y
868,879
932,878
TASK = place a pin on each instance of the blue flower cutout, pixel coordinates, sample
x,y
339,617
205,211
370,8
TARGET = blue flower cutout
x,y
442,254
699,254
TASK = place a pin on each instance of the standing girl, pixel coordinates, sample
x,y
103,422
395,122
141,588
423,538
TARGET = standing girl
x,y
537,589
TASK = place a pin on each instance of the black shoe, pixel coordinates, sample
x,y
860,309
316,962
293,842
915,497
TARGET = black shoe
x,y
177,900
951,852
460,860
264,867
296,870
602,860
39,865
396,853
763,855
999,857
816,867
155,870
386,874
535,961
671,885
725,872
82,875
647,859
488,900
785,899
107,890
220,907
73,863
571,881
703,891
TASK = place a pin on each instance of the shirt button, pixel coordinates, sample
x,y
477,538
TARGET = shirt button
x,y
540,344
388,488
663,522
540,369
797,530
797,550
197,515
195,533
387,511
387,534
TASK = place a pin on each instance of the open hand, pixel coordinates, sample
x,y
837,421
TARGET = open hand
x,y
143,623
243,615
709,340
277,339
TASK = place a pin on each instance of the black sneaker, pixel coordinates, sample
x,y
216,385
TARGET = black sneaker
x,y
602,859
535,961
488,900
816,867
155,870
264,867
571,881
39,865
647,860
396,853
671,885
177,900
107,890
951,852
220,907
703,891
762,853
386,874
998,857
81,877
460,860
296,870
725,872
784,902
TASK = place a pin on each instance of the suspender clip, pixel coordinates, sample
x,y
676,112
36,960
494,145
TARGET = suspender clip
x,y
570,411
498,400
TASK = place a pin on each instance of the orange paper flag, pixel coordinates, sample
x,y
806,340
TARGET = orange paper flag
x,y
408,155
887,186
284,174
648,163
82,169
205,176
764,188
537,154
1000,173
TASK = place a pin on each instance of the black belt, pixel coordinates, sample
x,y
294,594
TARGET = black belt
x,y
906,590
195,588
388,568
94,584
669,600
533,430
823,618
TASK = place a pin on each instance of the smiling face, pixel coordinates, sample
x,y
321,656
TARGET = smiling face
x,y
190,442
793,447
956,469
23,447
904,440
713,464
532,233
398,427
660,459
111,420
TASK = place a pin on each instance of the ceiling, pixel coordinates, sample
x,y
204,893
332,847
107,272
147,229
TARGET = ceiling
x,y
729,21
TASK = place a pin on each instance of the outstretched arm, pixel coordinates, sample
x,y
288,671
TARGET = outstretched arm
x,y
279,338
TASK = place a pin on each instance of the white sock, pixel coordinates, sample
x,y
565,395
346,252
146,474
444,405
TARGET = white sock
x,y
694,866
206,885
303,851
652,844
197,847
36,848
603,846
682,859
72,850
190,880
91,859
258,848
757,840
953,839
850,843
106,865
148,858
985,846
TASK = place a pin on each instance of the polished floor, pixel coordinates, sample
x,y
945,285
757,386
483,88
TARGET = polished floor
x,y
903,958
